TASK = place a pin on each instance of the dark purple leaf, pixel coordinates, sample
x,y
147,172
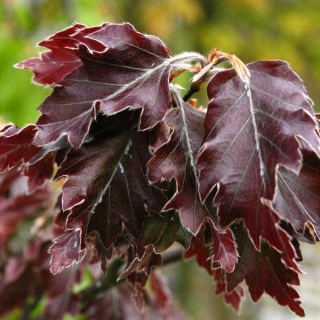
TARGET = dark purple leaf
x,y
251,129
120,68
107,176
224,248
16,285
297,198
54,65
207,256
66,250
16,145
175,160
148,260
200,250
235,297
40,171
263,272
213,248
60,118
106,223
142,169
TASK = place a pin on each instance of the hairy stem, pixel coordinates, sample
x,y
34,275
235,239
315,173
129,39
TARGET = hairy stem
x,y
193,89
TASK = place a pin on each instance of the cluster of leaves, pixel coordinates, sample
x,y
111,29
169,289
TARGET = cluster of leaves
x,y
236,186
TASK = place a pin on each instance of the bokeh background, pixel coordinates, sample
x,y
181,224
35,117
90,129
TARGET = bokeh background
x,y
253,30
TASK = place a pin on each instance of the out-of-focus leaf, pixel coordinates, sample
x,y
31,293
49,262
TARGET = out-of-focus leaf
x,y
59,288
251,129
26,278
16,285
117,303
14,210
16,205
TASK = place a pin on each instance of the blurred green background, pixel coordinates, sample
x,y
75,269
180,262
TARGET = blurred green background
x,y
253,30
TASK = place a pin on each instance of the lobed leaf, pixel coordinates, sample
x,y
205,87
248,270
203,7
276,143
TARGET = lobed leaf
x,y
54,65
144,169
235,297
251,130
297,198
175,159
17,145
224,248
40,171
200,250
213,248
263,272
148,260
120,68
207,256
106,180
66,250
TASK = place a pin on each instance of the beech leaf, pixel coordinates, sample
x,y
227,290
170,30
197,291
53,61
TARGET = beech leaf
x,y
149,258
235,297
107,176
224,249
54,65
142,168
297,198
40,171
16,145
263,272
217,249
175,159
250,130
66,251
112,67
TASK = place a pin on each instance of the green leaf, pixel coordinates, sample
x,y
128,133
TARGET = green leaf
x,y
163,231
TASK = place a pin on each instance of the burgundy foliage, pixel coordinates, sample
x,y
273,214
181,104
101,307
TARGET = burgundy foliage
x,y
139,169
